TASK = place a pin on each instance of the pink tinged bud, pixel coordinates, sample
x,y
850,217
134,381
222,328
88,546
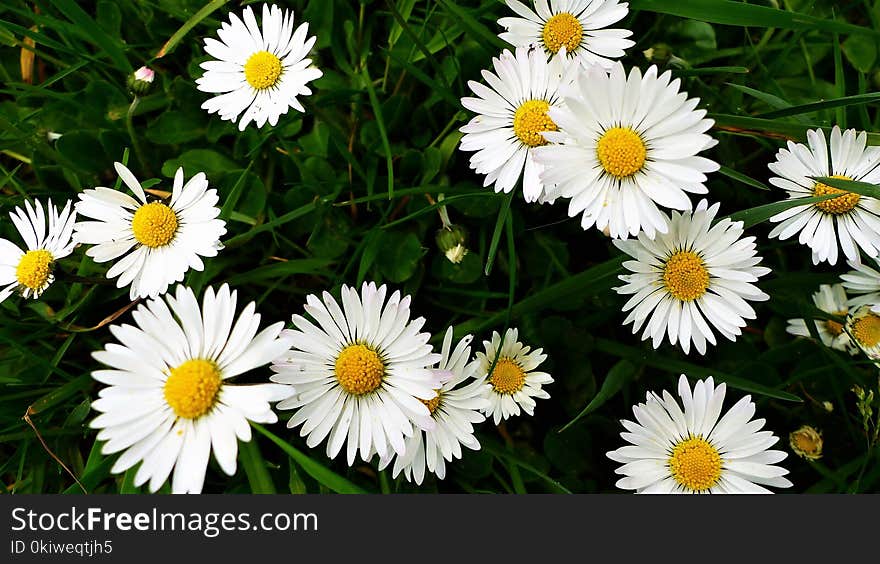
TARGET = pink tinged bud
x,y
144,74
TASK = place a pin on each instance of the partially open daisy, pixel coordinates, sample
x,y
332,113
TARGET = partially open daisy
x,y
362,376
577,25
161,240
513,383
259,73
863,326
847,222
512,116
169,402
864,281
690,448
830,299
455,410
46,239
693,277
625,146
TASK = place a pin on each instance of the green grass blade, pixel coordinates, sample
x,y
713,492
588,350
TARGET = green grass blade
x,y
90,31
176,37
617,377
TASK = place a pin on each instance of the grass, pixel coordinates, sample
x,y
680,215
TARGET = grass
x,y
347,192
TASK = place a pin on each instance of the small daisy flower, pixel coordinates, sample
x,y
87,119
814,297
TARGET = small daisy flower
x,y
29,272
862,280
693,277
362,376
576,25
691,448
161,240
455,410
513,383
512,115
806,442
830,299
625,146
863,327
847,222
168,402
258,74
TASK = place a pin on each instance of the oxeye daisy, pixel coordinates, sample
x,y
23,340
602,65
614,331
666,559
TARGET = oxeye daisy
x,y
862,280
161,240
362,376
693,277
513,383
512,116
830,299
46,239
625,146
847,222
455,410
863,327
169,403
258,73
691,448
576,25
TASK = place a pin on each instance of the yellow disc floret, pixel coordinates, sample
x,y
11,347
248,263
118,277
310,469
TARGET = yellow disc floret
x,y
508,377
34,269
530,120
562,29
866,330
432,403
621,152
262,70
695,464
154,224
191,388
835,206
359,369
685,276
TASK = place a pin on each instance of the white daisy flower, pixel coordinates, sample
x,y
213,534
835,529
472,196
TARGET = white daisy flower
x,y
361,376
258,72
576,25
862,280
693,277
29,272
830,299
168,403
849,221
863,327
691,448
626,145
512,114
161,240
513,382
455,410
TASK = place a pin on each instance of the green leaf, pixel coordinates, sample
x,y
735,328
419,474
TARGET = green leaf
x,y
496,235
203,13
617,377
862,188
173,128
255,468
760,214
401,258
199,160
861,52
844,101
90,31
469,23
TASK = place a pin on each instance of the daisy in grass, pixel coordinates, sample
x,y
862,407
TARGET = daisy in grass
x,y
258,73
863,327
169,402
693,277
830,299
626,145
160,240
512,115
455,410
513,383
46,239
576,25
362,376
862,280
689,447
847,222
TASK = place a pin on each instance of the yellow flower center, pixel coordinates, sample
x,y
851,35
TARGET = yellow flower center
x,y
839,205
866,330
433,403
34,269
621,152
806,442
834,328
262,70
191,388
562,29
154,224
530,120
695,464
685,276
508,377
359,369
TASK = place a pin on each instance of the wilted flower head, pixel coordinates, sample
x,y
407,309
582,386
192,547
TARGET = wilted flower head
x,y
806,442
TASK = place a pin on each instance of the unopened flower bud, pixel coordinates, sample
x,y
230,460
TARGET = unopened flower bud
x,y
141,80
829,407
806,442
659,53
452,241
